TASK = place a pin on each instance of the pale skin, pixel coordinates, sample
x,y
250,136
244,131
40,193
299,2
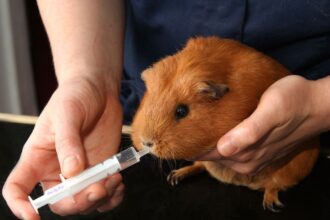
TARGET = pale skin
x,y
81,124
292,110
83,117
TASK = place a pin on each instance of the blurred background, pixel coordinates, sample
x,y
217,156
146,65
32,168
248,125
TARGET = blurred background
x,y
26,72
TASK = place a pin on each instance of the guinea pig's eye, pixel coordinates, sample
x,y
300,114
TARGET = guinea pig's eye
x,y
181,111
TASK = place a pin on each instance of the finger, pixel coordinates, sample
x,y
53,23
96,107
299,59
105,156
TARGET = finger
x,y
112,183
115,200
80,202
98,191
242,168
248,132
17,188
95,206
68,141
86,200
211,155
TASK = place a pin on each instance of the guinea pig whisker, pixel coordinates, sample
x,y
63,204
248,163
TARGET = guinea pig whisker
x,y
173,159
169,164
160,163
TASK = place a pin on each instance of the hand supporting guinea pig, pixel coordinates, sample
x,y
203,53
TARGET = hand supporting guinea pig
x,y
290,111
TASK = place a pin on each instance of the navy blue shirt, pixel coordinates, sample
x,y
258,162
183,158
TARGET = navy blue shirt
x,y
294,32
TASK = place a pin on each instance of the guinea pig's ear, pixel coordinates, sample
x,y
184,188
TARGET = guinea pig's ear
x,y
212,89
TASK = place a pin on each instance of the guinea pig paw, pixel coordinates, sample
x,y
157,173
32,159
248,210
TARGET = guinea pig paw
x,y
175,177
272,207
271,201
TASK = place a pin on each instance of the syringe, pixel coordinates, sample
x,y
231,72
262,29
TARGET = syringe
x,y
75,184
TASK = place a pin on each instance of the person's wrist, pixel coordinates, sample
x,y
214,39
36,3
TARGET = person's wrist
x,y
104,82
320,104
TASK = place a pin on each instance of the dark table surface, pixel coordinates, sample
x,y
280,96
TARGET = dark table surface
x,y
149,196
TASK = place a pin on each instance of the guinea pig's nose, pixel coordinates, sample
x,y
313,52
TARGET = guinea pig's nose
x,y
148,144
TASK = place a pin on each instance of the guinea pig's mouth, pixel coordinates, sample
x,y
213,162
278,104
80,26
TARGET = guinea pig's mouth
x,y
151,149
167,153
203,155
164,152
161,153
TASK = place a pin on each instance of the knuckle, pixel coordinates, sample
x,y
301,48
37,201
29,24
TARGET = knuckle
x,y
276,97
65,142
4,192
252,133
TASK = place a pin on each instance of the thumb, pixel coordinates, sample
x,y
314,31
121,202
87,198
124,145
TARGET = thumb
x,y
247,133
68,142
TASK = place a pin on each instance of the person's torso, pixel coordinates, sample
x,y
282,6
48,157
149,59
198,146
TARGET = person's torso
x,y
296,33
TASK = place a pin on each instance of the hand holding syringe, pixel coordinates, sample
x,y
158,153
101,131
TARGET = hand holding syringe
x,y
75,184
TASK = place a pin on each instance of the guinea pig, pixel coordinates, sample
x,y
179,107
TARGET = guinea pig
x,y
197,95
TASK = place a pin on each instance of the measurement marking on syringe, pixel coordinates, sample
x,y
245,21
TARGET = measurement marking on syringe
x,y
54,190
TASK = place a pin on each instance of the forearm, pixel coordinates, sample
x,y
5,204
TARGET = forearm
x,y
86,38
321,106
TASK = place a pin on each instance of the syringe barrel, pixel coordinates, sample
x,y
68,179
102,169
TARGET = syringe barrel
x,y
127,158
77,183
94,174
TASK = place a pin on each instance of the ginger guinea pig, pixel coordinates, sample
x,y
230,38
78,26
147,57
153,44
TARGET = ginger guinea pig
x,y
197,95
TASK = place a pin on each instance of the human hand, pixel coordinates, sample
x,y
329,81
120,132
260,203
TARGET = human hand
x,y
291,110
79,127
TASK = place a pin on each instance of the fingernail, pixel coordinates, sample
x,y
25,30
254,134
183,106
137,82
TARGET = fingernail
x,y
23,217
70,163
92,197
227,149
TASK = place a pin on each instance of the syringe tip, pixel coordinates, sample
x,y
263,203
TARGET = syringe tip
x,y
144,151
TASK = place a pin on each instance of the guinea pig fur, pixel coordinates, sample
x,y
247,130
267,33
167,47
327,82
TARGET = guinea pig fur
x,y
197,95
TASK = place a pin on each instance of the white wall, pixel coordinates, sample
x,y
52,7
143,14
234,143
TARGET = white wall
x,y
17,94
